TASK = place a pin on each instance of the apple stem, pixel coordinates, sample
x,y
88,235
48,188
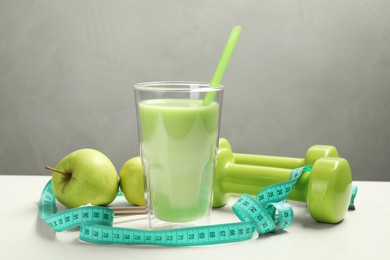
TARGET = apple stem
x,y
54,170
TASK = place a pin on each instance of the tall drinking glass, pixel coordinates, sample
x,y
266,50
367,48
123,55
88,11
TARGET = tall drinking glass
x,y
178,137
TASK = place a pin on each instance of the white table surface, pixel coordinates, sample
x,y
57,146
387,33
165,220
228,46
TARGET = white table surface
x,y
364,233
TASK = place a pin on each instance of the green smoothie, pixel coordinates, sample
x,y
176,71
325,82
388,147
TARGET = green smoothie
x,y
179,145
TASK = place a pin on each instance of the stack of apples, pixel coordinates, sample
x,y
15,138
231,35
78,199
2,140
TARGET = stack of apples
x,y
88,177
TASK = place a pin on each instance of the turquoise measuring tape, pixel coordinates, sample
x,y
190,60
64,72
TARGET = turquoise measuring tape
x,y
268,212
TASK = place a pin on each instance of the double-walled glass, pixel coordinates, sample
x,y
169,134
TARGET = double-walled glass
x,y
178,137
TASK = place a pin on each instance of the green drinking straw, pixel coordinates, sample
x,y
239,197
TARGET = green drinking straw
x,y
223,62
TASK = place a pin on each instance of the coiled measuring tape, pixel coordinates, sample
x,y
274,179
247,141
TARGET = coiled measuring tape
x,y
268,212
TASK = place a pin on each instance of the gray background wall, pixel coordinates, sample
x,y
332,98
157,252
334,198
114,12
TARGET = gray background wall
x,y
303,73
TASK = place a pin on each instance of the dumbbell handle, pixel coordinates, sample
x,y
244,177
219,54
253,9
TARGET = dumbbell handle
x,y
250,179
270,161
312,155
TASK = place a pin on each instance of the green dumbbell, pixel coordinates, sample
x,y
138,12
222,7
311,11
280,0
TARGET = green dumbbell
x,y
312,155
326,189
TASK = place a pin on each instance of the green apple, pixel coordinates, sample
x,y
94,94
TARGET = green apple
x,y
131,181
85,176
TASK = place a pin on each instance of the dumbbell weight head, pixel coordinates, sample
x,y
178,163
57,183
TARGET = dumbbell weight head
x,y
317,151
220,196
329,189
224,144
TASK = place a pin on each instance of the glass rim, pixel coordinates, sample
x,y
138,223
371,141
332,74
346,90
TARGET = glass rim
x,y
177,86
